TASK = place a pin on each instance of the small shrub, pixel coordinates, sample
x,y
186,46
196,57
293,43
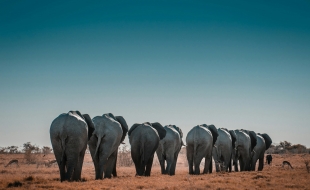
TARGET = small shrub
x,y
29,178
15,184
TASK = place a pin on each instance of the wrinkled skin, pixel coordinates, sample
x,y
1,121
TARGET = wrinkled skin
x,y
222,150
263,143
104,143
68,133
243,150
199,141
144,140
169,148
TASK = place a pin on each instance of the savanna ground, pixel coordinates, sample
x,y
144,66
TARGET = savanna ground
x,y
272,177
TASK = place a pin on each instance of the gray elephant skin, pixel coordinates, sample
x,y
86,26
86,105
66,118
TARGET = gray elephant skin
x,y
69,136
200,141
263,143
109,131
144,140
169,148
243,150
222,150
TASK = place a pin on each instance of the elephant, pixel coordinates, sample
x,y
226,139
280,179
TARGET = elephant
x,y
242,150
144,140
223,150
263,143
69,134
109,132
200,141
169,148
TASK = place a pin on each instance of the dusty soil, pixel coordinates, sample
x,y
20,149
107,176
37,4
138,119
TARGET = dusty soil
x,y
272,177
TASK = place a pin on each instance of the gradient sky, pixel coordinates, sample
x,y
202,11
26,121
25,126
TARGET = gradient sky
x,y
234,64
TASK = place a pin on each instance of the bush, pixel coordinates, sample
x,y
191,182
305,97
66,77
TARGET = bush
x,y
124,156
15,184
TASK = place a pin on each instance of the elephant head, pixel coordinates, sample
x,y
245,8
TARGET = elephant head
x,y
267,139
213,130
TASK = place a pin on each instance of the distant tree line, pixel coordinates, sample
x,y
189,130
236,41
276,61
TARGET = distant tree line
x,y
28,148
285,147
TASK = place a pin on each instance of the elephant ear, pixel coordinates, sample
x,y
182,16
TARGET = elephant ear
x,y
214,132
160,130
233,137
76,113
253,137
179,130
124,126
133,127
90,124
267,139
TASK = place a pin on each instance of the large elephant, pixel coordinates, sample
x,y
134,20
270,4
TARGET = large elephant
x,y
242,150
109,132
144,140
169,148
263,143
69,135
200,141
222,150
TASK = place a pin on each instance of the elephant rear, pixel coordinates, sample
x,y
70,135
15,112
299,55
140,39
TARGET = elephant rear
x,y
68,133
199,142
144,139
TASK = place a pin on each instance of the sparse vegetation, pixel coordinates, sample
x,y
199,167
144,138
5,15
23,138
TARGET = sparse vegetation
x,y
272,177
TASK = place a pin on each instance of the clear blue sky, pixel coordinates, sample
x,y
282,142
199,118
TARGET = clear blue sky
x,y
234,64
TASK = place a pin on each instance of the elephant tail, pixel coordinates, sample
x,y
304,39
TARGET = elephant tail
x,y
142,152
98,144
63,147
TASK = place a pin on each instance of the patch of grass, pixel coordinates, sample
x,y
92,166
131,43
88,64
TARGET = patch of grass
x,y
15,184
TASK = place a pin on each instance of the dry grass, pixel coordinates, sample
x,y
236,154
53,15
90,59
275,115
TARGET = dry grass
x,y
272,177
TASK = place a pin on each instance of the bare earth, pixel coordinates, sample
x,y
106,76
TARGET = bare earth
x,y
272,177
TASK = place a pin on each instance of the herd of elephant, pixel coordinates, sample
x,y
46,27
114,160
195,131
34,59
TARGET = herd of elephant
x,y
71,132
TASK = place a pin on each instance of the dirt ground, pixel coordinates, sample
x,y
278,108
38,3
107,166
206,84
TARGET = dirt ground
x,y
272,177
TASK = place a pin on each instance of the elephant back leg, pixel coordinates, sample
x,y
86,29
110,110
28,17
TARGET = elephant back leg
x,y
190,157
148,166
110,165
72,163
170,159
137,159
261,161
161,159
114,168
173,165
208,163
78,169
